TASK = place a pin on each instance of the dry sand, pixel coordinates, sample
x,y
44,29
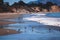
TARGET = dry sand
x,y
9,15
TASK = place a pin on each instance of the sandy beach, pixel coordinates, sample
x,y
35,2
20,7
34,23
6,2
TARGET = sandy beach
x,y
4,23
7,32
9,15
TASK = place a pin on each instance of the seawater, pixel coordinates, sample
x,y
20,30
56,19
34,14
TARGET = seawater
x,y
31,30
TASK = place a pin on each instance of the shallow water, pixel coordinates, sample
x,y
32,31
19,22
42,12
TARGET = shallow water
x,y
31,30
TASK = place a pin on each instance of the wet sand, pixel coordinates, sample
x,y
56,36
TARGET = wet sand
x,y
7,32
4,23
